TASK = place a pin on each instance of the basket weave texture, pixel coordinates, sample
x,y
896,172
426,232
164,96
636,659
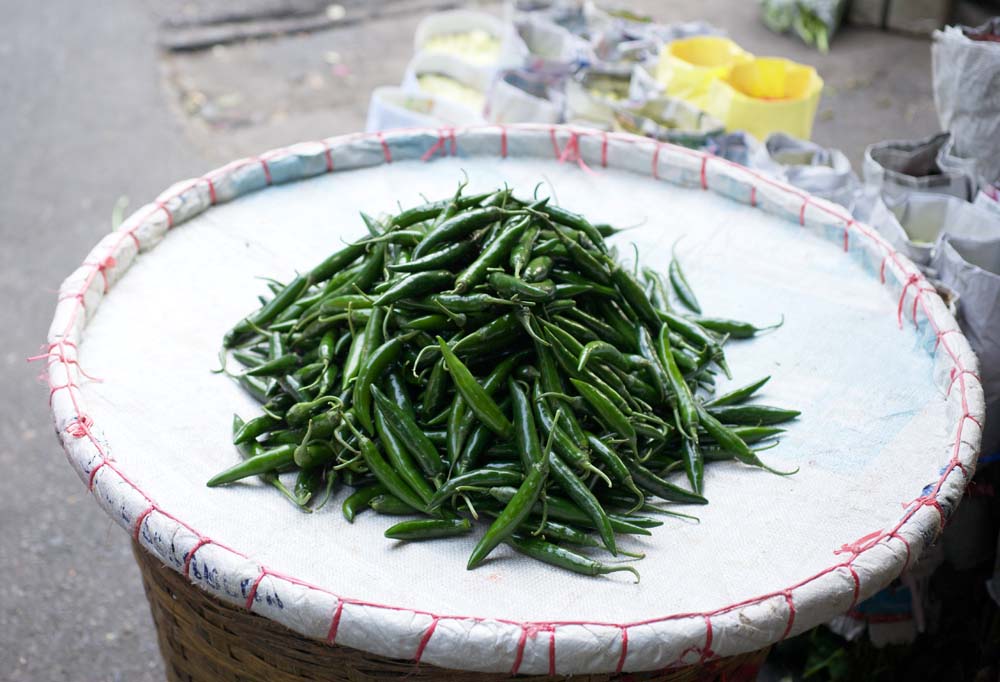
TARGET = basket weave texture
x,y
203,639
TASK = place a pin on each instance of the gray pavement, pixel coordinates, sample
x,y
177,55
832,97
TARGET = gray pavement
x,y
91,111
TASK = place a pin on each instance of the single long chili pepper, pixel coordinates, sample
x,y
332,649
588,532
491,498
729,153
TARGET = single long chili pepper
x,y
409,433
254,386
381,469
554,555
427,529
514,513
497,252
525,433
510,286
478,478
252,449
550,382
336,262
607,412
416,284
734,329
636,297
390,505
433,322
603,351
432,209
680,283
257,426
652,483
370,373
552,247
263,315
478,442
358,501
463,303
435,391
577,222
461,420
588,264
399,457
685,403
277,367
564,510
579,493
738,395
478,400
553,530
580,332
458,226
521,253
435,260
354,356
754,434
728,440
752,415
267,460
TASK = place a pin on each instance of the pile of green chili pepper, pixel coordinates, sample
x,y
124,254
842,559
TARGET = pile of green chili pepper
x,y
487,358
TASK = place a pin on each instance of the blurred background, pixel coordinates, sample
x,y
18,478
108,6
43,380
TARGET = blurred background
x,y
107,102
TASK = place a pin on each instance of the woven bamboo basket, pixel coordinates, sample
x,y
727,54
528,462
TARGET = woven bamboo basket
x,y
203,639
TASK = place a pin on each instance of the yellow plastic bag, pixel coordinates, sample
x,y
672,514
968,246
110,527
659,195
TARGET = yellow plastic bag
x,y
767,95
688,67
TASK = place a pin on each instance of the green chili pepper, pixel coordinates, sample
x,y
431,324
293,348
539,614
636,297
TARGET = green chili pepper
x,y
457,227
390,505
607,412
406,430
498,251
475,397
266,461
358,501
738,395
427,529
416,284
370,373
754,415
680,283
454,253
555,555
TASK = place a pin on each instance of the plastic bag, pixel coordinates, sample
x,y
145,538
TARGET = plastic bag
x,y
897,167
392,107
814,21
687,67
519,96
591,97
668,120
967,92
972,268
766,95
477,38
463,84
552,49
820,171
915,221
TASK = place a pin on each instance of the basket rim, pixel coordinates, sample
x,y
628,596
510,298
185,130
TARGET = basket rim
x,y
87,447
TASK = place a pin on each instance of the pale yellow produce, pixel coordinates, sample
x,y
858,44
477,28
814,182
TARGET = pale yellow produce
x,y
451,89
475,47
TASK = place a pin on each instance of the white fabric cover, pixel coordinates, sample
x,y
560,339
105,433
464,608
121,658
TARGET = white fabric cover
x,y
886,383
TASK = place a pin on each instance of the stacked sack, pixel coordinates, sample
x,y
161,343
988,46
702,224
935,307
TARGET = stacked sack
x,y
572,62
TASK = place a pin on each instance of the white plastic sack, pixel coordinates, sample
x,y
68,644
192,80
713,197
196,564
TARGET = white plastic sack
x,y
668,120
520,97
914,222
897,167
820,171
972,268
510,51
392,107
967,93
424,63
552,49
868,352
592,96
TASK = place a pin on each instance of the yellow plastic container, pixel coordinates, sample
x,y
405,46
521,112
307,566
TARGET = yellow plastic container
x,y
688,67
767,95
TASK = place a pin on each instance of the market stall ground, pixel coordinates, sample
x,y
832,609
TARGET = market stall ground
x,y
89,121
